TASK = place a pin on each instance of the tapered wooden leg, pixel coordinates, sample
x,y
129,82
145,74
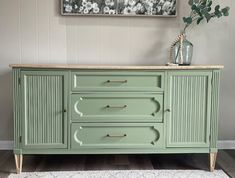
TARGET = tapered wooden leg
x,y
19,162
212,161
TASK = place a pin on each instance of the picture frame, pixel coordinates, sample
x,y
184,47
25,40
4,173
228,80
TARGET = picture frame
x,y
123,8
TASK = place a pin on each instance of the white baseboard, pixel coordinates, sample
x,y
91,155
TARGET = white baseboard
x,y
226,144
222,144
6,145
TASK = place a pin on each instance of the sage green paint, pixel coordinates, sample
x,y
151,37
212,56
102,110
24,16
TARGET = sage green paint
x,y
189,100
17,101
103,135
170,89
214,110
114,151
117,107
119,81
44,102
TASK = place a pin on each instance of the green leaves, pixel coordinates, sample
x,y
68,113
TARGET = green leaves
x,y
190,2
187,20
205,13
199,19
209,4
225,11
202,9
217,8
221,12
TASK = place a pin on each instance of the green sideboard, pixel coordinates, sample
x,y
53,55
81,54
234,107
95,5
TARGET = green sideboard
x,y
78,109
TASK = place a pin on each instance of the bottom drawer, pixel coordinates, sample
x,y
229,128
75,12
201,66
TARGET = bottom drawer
x,y
103,135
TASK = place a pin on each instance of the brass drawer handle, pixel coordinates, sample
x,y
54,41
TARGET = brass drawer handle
x,y
116,81
108,106
110,135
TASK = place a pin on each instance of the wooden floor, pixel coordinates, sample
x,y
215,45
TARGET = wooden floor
x,y
225,161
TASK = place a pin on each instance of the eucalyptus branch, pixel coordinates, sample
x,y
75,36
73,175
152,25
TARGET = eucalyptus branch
x,y
201,10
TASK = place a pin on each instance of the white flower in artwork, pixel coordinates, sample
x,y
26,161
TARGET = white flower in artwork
x,y
126,2
142,9
86,11
128,10
66,0
89,5
111,3
150,10
95,5
153,1
84,3
107,2
164,13
134,9
132,2
76,6
143,1
96,10
158,9
106,9
150,4
167,6
81,8
139,6
161,2
112,12
68,8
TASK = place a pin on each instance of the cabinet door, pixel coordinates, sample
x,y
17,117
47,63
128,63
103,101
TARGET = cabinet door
x,y
44,109
188,108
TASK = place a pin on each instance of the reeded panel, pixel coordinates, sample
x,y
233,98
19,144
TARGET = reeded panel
x,y
215,108
17,108
44,118
189,102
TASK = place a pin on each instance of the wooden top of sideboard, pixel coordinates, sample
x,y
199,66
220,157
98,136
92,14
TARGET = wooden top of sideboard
x,y
139,67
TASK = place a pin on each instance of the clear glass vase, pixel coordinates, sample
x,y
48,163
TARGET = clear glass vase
x,y
182,56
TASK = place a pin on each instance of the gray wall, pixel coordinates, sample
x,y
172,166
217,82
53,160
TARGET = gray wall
x,y
33,31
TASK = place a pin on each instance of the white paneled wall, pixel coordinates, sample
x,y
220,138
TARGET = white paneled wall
x,y
42,35
33,31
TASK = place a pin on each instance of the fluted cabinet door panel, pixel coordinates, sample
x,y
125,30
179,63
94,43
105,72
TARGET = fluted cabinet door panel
x,y
188,121
45,120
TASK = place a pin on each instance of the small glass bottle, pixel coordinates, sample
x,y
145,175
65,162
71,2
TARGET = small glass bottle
x,y
182,56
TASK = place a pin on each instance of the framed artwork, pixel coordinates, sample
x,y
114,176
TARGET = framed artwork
x,y
162,8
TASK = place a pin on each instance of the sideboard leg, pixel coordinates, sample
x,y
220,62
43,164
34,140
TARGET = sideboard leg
x,y
19,162
212,161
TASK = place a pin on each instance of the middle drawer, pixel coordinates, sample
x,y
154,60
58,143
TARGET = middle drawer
x,y
117,107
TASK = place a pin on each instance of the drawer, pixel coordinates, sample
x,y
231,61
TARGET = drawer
x,y
117,107
97,135
119,81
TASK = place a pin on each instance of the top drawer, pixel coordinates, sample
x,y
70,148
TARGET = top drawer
x,y
117,81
